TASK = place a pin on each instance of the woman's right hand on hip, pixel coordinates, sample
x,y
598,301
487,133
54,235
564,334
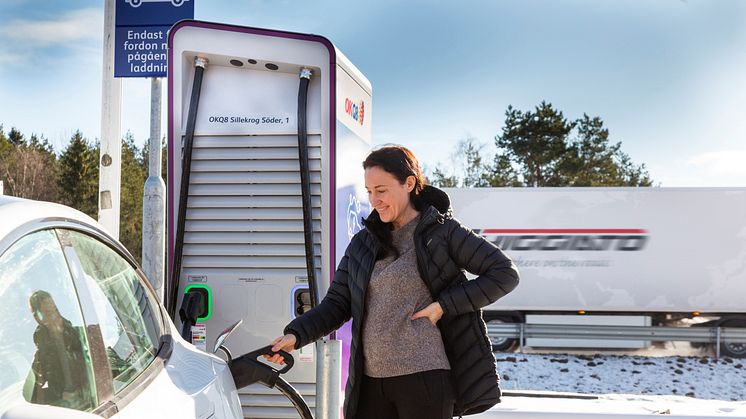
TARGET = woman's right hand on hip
x,y
284,343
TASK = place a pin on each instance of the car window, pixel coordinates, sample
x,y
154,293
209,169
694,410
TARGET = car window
x,y
44,351
128,320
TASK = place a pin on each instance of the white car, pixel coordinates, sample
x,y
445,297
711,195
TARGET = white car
x,y
82,333
137,3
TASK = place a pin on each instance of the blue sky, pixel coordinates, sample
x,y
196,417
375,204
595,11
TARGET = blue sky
x,y
668,77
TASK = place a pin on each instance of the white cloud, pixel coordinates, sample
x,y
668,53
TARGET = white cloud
x,y
9,57
25,44
713,168
77,25
722,163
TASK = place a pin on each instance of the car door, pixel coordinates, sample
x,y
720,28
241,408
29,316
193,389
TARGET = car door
x,y
121,314
152,375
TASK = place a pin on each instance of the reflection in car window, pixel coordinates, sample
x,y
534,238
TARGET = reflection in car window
x,y
44,351
128,322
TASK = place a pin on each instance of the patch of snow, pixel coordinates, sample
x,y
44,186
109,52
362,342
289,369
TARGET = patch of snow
x,y
699,377
623,385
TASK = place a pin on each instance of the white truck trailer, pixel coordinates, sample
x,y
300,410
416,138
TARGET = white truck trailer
x,y
616,256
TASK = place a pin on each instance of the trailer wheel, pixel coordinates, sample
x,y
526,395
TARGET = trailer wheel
x,y
502,344
733,349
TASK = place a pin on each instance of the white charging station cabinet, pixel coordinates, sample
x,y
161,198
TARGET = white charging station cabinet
x,y
243,233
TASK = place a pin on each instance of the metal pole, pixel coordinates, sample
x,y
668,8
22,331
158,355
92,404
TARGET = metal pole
x,y
154,201
329,378
717,343
110,162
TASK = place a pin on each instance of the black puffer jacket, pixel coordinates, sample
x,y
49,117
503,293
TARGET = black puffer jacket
x,y
444,250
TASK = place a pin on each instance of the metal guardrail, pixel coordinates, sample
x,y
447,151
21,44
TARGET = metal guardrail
x,y
715,335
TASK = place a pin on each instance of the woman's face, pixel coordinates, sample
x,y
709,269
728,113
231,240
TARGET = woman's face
x,y
387,195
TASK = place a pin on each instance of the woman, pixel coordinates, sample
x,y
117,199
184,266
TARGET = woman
x,y
419,346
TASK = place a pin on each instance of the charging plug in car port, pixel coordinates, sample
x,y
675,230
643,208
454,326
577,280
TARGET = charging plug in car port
x,y
301,301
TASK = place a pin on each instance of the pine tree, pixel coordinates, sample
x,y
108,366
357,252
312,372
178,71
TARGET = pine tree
x,y
134,174
502,173
541,147
15,137
5,145
589,160
536,141
551,151
78,179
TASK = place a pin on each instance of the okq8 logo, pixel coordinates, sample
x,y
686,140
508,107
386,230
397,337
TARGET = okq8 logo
x,y
357,112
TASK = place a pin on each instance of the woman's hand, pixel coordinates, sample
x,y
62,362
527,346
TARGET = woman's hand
x,y
283,343
433,312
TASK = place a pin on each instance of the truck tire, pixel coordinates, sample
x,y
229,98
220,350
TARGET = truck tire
x,y
733,349
502,344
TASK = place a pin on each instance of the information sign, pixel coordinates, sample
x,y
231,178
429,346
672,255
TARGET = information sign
x,y
141,34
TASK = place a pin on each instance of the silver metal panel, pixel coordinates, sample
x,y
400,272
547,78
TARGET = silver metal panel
x,y
259,402
244,229
247,250
245,237
231,141
250,165
246,272
254,225
245,262
586,321
255,202
249,214
251,190
249,177
256,153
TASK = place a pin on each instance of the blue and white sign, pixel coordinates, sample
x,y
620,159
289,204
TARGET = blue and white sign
x,y
141,35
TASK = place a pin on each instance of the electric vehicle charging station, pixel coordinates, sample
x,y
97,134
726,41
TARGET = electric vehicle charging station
x,y
238,116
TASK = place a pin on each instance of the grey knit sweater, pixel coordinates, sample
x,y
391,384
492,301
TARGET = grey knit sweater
x,y
393,344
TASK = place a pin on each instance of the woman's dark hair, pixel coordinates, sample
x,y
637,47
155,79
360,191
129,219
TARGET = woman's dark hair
x,y
38,298
401,163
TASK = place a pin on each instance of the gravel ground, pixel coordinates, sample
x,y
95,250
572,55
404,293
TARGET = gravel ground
x,y
701,377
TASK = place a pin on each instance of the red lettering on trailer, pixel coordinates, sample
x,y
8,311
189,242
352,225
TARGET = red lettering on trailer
x,y
564,231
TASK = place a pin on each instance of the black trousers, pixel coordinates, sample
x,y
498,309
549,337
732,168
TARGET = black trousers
x,y
422,395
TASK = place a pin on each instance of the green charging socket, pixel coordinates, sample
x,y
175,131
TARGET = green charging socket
x,y
206,292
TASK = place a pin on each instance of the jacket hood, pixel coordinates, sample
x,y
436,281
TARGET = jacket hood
x,y
432,196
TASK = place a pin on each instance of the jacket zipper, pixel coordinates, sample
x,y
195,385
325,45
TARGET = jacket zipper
x,y
365,284
421,250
